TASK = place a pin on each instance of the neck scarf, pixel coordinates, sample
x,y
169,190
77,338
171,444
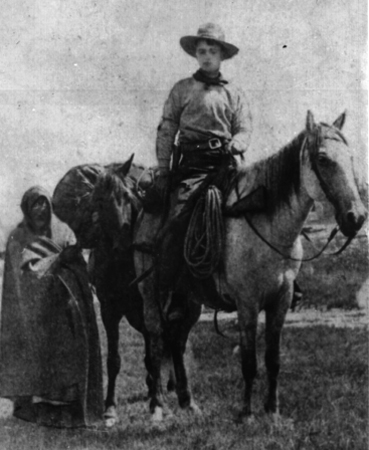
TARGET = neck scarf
x,y
203,78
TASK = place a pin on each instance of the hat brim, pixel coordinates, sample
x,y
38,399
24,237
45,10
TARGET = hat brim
x,y
188,43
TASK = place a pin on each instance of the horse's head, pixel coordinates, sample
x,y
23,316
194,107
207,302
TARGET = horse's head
x,y
327,172
116,204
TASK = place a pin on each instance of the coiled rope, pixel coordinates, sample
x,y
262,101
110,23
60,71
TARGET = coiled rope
x,y
203,247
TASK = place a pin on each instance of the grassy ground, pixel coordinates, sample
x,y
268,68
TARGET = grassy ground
x,y
334,281
323,393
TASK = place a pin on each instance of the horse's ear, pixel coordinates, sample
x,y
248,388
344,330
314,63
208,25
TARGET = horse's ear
x,y
340,121
310,122
126,167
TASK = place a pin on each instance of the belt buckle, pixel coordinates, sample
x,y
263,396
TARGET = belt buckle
x,y
214,143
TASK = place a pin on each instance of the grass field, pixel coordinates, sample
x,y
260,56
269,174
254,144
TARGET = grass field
x,y
323,393
323,384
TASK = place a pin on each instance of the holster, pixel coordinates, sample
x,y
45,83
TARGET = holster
x,y
175,176
176,158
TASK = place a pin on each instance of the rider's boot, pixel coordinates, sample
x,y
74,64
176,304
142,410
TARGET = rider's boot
x,y
170,263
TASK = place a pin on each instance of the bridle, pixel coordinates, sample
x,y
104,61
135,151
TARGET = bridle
x,y
273,247
332,234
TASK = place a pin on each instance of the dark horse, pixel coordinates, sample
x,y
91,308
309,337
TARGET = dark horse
x,y
116,201
262,250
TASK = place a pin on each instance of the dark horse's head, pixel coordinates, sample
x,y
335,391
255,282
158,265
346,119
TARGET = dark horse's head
x,y
116,204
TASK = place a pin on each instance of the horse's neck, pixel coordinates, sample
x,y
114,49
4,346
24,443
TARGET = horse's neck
x,y
287,221
287,202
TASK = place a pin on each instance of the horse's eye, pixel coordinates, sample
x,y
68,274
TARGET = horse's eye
x,y
323,159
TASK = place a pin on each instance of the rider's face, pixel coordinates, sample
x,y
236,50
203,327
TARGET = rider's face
x,y
209,57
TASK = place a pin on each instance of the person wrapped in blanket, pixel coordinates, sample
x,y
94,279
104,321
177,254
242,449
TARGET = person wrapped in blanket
x,y
50,362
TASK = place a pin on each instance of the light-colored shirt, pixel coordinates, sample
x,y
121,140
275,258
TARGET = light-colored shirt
x,y
200,112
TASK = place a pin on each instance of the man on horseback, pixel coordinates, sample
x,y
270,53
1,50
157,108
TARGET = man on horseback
x,y
206,123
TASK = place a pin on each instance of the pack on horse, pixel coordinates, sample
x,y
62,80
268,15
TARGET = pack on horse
x,y
261,253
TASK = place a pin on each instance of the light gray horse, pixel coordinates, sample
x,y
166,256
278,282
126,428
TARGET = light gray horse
x,y
316,165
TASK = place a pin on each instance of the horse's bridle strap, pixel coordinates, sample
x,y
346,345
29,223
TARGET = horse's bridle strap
x,y
330,238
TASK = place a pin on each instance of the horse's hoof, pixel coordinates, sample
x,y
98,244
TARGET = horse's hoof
x,y
168,413
250,420
271,407
194,409
276,418
244,417
110,417
236,351
279,421
157,415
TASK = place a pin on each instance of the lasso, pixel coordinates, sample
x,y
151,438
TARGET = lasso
x,y
203,248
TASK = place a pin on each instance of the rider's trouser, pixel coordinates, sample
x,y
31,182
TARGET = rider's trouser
x,y
170,254
171,259
171,246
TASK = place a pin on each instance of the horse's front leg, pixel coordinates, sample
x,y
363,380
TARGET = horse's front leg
x,y
274,319
111,324
156,343
248,319
147,361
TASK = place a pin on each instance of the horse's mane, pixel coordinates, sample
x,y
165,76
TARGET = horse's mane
x,y
111,183
278,173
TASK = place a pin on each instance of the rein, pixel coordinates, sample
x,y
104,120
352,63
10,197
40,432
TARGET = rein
x,y
330,238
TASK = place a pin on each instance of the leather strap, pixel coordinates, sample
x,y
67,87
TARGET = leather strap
x,y
211,144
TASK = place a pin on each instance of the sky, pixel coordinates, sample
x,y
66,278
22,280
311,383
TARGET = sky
x,y
83,81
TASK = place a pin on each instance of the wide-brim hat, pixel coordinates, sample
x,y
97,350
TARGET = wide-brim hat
x,y
211,32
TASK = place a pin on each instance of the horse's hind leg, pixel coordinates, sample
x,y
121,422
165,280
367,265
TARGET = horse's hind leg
x,y
156,391
274,316
248,328
178,336
171,384
178,346
147,361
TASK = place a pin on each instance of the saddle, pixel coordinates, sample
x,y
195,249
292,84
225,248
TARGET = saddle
x,y
201,218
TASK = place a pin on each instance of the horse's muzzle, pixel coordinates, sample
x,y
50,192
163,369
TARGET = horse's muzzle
x,y
351,222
